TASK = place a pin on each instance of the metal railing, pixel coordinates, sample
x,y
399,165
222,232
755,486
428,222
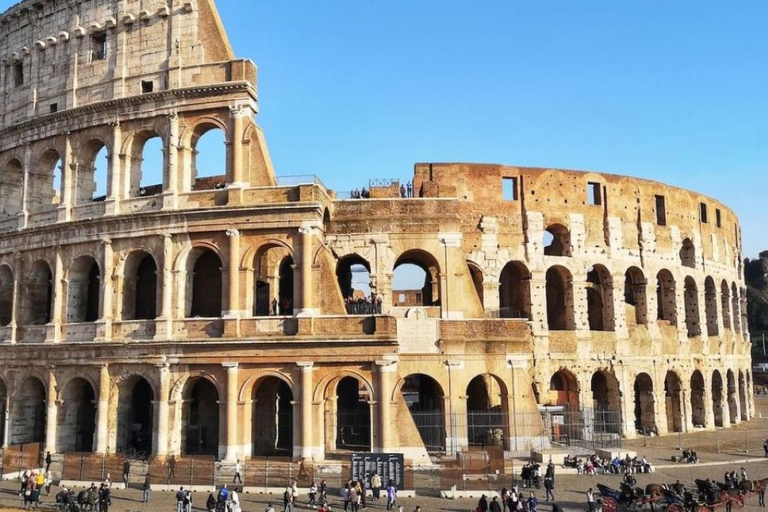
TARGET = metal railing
x,y
299,179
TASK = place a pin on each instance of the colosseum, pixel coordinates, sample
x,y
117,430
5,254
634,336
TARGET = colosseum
x,y
221,312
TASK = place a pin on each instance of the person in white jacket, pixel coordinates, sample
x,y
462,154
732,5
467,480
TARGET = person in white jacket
x,y
234,501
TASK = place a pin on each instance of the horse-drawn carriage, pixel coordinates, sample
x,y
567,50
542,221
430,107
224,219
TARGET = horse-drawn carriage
x,y
626,498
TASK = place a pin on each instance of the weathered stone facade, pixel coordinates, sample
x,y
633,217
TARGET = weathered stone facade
x,y
207,315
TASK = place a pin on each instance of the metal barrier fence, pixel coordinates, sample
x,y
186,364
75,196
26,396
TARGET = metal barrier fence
x,y
21,457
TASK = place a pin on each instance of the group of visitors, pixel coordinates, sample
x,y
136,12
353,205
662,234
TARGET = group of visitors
x,y
32,484
92,499
224,501
360,194
530,474
283,307
405,190
370,305
690,456
511,500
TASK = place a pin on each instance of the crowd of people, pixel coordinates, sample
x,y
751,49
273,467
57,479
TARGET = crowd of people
x,y
224,500
87,500
32,484
370,305
405,190
690,456
617,466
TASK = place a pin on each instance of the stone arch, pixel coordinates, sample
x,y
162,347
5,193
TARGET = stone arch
x,y
353,415
635,298
743,402
249,386
710,306
177,390
606,403
272,416
429,294
44,188
487,414
599,288
666,297
698,406
515,291
645,407
37,294
735,308
138,181
77,417
134,413
476,274
200,416
346,268
688,254
560,303
733,391
691,299
204,175
11,183
6,296
717,398
92,171
425,400
725,304
83,290
28,412
140,300
564,389
673,401
272,263
557,240
204,283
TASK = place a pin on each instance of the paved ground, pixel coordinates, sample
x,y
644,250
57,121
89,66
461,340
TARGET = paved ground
x,y
569,489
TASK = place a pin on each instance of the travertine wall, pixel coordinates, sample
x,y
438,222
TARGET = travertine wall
x,y
180,317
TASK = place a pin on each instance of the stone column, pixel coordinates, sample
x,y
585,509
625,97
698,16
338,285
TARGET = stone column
x,y
161,434
237,114
578,298
307,305
458,432
68,169
171,193
114,192
231,447
58,308
539,324
386,370
660,397
233,306
102,438
687,410
617,288
107,302
27,166
306,408
18,272
491,302
164,322
53,412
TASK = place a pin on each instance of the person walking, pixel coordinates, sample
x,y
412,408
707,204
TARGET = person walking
x,y
126,472
590,500
391,495
180,500
48,460
549,482
287,500
494,505
482,504
188,502
238,470
376,486
761,496
533,502
146,489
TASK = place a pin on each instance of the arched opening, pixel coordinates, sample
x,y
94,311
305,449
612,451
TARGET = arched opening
x,y
44,189
645,410
606,403
204,284
426,403
743,397
557,241
710,306
673,402
688,254
476,274
735,308
486,411
515,291
559,299
717,397
600,299
698,407
83,291
272,418
733,405
665,297
92,173
6,296
691,298
635,296
28,418
285,304
353,415
140,287
37,295
200,417
134,415
209,157
11,181
416,280
146,165
353,273
725,304
3,408
564,389
272,280
77,417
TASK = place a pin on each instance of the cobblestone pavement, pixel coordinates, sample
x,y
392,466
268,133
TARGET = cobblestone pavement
x,y
569,489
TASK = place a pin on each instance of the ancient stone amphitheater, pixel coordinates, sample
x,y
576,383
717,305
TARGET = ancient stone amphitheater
x,y
208,313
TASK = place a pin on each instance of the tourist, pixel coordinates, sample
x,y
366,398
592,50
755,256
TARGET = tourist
x,y
312,495
532,502
126,471
376,486
180,500
147,489
210,503
494,505
171,468
482,505
761,496
238,470
590,500
188,502
105,498
391,495
223,494
549,482
234,501
48,460
345,495
287,500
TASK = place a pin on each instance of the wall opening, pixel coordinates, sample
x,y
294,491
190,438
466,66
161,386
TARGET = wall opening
x,y
205,284
606,403
272,280
200,418
717,397
353,274
688,254
560,315
134,414
744,409
6,297
645,410
416,277
285,304
710,306
45,185
37,295
725,304
666,299
140,287
515,291
28,413
11,181
673,402
83,291
486,412
735,304
691,296
661,211
698,411
635,299
272,422
426,403
353,416
209,158
703,213
147,162
509,189
733,398
594,194
77,417
557,241
477,281
600,299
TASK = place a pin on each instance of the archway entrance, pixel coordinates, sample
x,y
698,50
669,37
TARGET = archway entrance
x,y
515,291
134,415
645,410
416,280
486,412
353,273
717,397
272,418
353,415
600,299
559,299
83,291
77,417
28,413
140,287
426,403
273,280
200,418
743,397
606,403
733,406
698,411
205,285
673,402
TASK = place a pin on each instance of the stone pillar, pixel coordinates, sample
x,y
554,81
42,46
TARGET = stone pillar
x,y
237,114
687,410
660,397
456,402
18,272
107,301
68,169
164,322
171,192
702,300
58,308
103,411
305,398
232,384
448,286
307,303
233,306
539,323
160,443
617,288
25,192
53,412
386,370
114,192
491,302
578,298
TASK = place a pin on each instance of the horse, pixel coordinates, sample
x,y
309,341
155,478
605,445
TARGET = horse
x,y
754,485
655,490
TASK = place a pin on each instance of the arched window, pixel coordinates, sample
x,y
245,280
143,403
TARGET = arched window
x,y
353,273
37,298
83,291
688,254
416,280
645,409
600,299
92,173
6,296
11,180
635,296
204,291
145,165
45,183
666,300
134,414
691,296
78,410
710,306
717,397
557,241
515,291
698,411
200,418
560,299
672,392
425,400
140,295
725,301
209,160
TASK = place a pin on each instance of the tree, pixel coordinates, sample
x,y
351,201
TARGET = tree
x,y
756,277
